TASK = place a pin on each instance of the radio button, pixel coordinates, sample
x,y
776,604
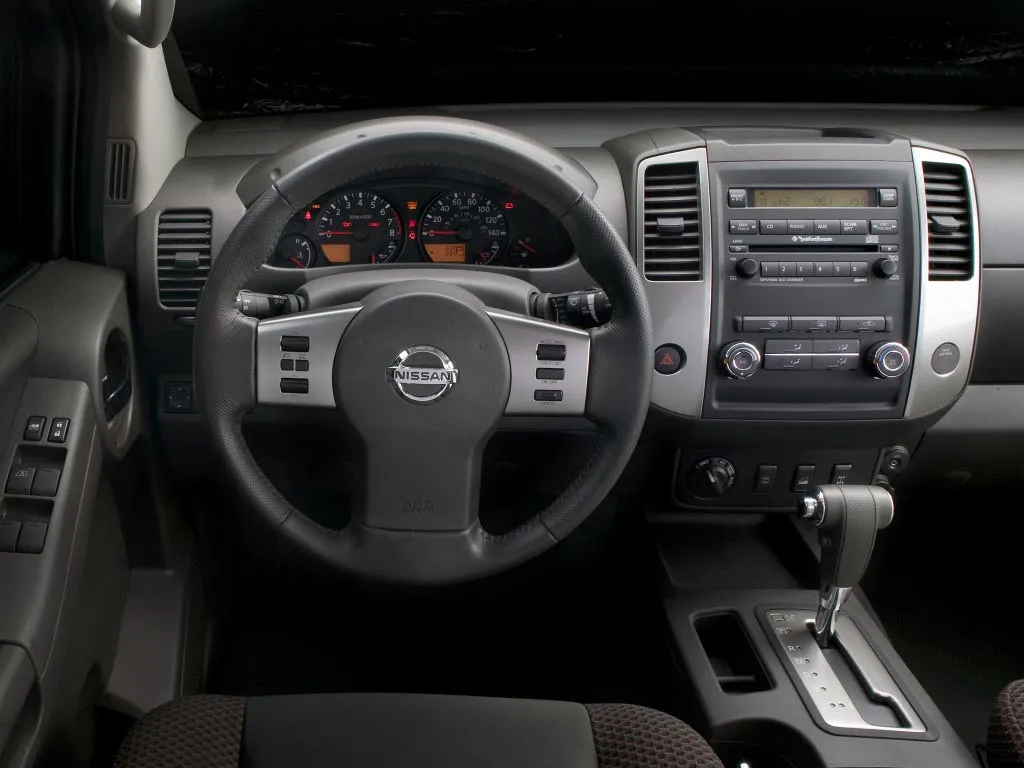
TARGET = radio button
x,y
805,324
884,227
886,267
841,268
888,198
800,226
836,347
858,269
788,362
890,248
772,227
769,269
785,347
862,324
836,362
739,248
823,269
804,268
826,226
742,227
747,267
787,269
854,227
765,324
737,198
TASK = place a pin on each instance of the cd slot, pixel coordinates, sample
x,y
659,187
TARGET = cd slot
x,y
815,247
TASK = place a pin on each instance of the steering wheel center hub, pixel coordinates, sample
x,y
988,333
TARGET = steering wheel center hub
x,y
423,374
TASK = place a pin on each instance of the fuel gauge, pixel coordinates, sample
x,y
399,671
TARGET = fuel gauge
x,y
526,251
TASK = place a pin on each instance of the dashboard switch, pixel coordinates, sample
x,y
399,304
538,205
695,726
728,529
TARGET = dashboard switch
x,y
9,530
803,477
805,324
743,227
884,227
551,352
668,359
888,198
765,481
32,538
295,343
34,428
58,431
862,324
20,480
46,483
769,324
737,198
841,474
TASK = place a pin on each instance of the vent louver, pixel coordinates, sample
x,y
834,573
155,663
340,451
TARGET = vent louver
x,y
120,170
950,228
183,256
671,216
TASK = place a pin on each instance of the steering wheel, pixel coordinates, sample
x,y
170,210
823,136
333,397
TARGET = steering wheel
x,y
423,369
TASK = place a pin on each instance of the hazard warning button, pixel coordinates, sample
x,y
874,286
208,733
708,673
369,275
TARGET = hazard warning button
x,y
668,359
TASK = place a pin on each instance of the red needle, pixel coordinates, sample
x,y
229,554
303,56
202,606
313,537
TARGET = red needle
x,y
433,232
339,233
296,261
526,247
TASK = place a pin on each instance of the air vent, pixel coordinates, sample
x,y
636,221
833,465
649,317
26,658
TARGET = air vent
x,y
120,170
183,256
950,229
671,249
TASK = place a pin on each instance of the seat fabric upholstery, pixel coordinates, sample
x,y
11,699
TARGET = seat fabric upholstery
x,y
1006,729
401,731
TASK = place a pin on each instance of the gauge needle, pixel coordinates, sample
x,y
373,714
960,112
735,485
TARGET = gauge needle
x,y
525,246
433,232
340,233
296,261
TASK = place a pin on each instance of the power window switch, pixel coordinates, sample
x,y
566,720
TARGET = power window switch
x,y
46,482
20,480
32,537
9,530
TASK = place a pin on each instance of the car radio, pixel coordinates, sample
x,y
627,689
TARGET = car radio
x,y
814,310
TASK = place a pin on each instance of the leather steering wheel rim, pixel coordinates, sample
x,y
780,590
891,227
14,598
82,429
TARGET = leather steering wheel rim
x,y
618,387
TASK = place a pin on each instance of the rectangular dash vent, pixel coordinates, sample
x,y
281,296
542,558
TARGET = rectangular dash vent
x,y
948,208
183,255
120,170
671,221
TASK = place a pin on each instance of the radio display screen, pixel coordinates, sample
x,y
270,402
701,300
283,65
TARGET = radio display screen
x,y
812,198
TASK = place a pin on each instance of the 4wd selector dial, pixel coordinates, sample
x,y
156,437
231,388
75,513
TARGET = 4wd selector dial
x,y
889,360
741,359
711,477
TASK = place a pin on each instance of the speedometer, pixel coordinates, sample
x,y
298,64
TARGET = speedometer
x,y
463,227
359,228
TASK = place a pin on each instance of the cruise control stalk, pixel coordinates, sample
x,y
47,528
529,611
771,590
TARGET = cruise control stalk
x,y
581,309
264,305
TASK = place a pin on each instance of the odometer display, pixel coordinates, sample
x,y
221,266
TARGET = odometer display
x,y
463,227
359,228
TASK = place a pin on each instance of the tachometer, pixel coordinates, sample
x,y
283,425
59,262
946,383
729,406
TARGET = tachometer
x,y
463,227
359,228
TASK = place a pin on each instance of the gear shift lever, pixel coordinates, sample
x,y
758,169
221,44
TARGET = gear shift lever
x,y
847,517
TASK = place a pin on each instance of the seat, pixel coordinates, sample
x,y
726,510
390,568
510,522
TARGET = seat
x,y
407,731
1006,729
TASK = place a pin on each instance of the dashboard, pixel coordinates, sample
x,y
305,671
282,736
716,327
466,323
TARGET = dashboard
x,y
423,220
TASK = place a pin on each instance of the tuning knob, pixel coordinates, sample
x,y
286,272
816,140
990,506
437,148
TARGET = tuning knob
x,y
886,268
711,477
889,359
746,268
741,359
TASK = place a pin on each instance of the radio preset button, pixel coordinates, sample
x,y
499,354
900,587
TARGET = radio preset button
x,y
854,227
772,227
804,268
836,347
769,269
862,324
858,269
888,198
823,269
826,226
841,268
787,269
884,227
785,347
800,226
817,323
788,362
742,227
737,198
758,324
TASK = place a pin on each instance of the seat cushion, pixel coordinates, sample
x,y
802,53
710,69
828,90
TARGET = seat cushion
x,y
395,730
1006,730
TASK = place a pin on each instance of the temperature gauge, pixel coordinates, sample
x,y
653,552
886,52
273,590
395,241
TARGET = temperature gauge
x,y
294,251
526,251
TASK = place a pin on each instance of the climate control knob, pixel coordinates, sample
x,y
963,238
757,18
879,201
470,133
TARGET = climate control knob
x,y
711,477
889,359
746,267
741,359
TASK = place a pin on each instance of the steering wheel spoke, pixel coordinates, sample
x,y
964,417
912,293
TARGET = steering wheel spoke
x,y
550,365
295,357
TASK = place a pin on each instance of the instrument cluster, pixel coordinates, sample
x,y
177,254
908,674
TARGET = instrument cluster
x,y
417,221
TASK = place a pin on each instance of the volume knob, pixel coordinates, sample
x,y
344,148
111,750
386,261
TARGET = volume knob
x,y
889,359
746,268
741,359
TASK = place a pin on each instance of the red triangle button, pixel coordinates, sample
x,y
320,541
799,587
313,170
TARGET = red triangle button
x,y
667,359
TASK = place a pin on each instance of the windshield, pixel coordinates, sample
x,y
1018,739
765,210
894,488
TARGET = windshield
x,y
250,57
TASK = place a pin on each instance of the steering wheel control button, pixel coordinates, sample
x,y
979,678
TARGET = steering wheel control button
x,y
20,480
668,359
45,484
288,364
58,431
741,359
888,198
295,386
295,343
803,477
884,227
551,352
302,365
32,538
34,428
765,480
862,324
890,359
711,477
9,530
551,374
945,358
737,198
547,395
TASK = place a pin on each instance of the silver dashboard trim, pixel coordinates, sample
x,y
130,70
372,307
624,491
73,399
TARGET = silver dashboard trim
x,y
948,308
522,335
324,328
681,311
